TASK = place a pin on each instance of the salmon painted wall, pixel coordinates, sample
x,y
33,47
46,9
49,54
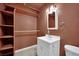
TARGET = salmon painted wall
x,y
69,31
25,23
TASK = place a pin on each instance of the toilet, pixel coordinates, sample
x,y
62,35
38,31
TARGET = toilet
x,y
71,50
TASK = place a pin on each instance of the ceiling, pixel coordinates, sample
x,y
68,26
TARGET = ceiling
x,y
33,6
36,6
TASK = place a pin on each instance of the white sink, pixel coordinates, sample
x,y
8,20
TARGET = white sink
x,y
48,45
49,38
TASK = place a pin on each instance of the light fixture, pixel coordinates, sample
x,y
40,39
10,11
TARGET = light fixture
x,y
51,9
24,4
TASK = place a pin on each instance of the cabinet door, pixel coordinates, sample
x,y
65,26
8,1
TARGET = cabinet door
x,y
55,47
43,48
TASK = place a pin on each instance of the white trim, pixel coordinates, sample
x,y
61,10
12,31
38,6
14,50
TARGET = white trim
x,y
56,21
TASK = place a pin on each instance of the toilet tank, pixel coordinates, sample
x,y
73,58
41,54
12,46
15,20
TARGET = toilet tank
x,y
71,50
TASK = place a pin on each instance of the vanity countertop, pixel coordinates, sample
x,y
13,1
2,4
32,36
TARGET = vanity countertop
x,y
49,38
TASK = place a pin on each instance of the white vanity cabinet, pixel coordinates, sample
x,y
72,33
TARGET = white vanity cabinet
x,y
48,45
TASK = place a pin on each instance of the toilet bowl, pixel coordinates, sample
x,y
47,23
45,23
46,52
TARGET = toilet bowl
x,y
71,50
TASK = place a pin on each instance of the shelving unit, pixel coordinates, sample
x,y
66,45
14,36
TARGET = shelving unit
x,y
7,31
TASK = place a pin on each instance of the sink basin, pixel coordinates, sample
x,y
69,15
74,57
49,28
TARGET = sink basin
x,y
49,38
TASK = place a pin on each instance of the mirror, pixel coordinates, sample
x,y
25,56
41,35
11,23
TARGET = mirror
x,y
52,19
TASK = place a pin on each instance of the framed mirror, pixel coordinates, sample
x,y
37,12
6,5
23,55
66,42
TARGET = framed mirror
x,y
52,19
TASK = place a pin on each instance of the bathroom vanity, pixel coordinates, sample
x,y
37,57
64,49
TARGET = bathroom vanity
x,y
48,45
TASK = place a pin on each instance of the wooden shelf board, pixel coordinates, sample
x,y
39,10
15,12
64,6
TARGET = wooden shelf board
x,y
6,25
9,46
22,11
7,12
7,36
28,31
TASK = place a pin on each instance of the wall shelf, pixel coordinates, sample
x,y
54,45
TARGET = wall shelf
x,y
6,25
7,36
9,46
6,12
27,31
